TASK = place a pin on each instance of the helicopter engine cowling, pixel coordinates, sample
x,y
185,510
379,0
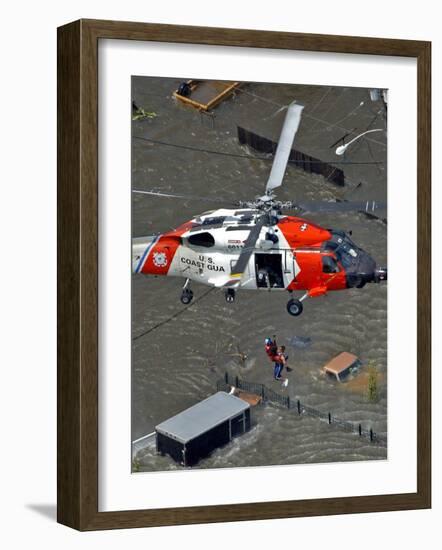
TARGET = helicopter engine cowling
x,y
298,232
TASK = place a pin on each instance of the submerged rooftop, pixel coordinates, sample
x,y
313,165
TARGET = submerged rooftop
x,y
202,417
340,365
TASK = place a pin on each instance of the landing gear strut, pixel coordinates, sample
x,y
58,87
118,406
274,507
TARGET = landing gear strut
x,y
186,294
230,295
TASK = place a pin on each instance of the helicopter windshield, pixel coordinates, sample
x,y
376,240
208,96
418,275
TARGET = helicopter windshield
x,y
345,249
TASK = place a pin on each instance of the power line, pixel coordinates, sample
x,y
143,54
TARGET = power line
x,y
265,100
239,155
174,316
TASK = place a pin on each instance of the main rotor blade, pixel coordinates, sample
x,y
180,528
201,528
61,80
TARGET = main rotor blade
x,y
289,129
344,206
249,247
176,196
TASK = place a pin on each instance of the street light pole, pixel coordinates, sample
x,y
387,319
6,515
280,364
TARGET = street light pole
x,y
342,148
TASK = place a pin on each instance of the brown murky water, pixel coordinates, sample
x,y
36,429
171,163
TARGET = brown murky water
x,y
178,363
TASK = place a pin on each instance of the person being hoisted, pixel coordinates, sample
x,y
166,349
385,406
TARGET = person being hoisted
x,y
278,358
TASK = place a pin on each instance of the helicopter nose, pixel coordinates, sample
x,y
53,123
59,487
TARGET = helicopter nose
x,y
367,272
363,270
380,274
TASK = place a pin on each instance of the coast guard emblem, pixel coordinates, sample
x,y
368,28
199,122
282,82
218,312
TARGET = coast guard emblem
x,y
160,259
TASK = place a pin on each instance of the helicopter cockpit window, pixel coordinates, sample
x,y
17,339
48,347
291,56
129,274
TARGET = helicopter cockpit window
x,y
202,239
214,220
329,265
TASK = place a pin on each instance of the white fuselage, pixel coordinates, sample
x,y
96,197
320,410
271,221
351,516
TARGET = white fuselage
x,y
211,261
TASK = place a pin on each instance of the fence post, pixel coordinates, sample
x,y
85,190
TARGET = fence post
x,y
371,434
288,402
237,381
226,378
299,406
360,430
329,418
263,392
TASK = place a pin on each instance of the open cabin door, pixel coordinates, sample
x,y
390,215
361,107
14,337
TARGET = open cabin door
x,y
275,269
269,269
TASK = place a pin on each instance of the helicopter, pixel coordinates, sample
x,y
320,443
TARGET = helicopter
x,y
254,246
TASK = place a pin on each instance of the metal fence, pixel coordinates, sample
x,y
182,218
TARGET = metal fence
x,y
298,158
269,395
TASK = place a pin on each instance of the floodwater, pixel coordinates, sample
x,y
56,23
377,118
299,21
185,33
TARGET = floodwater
x,y
179,353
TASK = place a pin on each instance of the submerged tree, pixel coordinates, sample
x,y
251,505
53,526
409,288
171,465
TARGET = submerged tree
x,y
372,384
138,113
239,354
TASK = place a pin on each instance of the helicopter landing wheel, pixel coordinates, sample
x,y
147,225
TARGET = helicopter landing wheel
x,y
294,307
186,296
230,295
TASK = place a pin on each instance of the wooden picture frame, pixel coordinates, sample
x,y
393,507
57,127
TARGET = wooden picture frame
x,y
78,274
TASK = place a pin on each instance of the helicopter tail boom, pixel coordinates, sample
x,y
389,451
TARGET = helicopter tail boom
x,y
140,250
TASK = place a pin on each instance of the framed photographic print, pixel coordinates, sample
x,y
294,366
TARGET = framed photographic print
x,y
244,275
